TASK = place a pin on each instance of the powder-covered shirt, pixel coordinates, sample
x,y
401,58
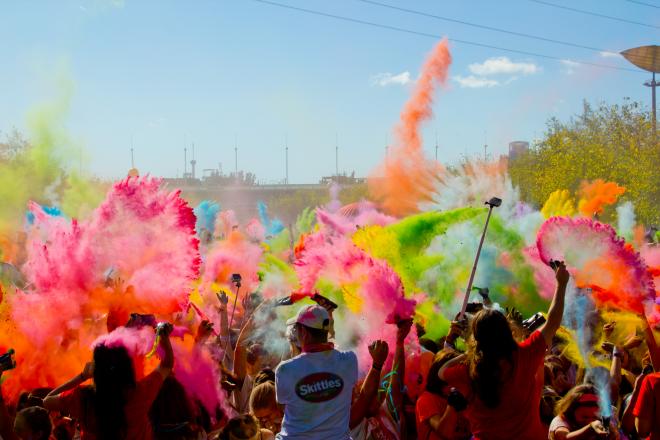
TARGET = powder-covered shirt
x,y
517,416
316,391
137,408
648,403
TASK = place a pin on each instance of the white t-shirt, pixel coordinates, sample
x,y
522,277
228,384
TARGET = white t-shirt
x,y
316,391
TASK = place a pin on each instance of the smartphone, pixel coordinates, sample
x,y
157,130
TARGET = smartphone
x,y
533,323
324,302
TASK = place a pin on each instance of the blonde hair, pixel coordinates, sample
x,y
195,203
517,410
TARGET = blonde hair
x,y
262,396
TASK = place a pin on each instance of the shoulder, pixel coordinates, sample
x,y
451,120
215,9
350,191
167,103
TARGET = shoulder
x,y
534,340
651,384
427,398
455,373
559,423
267,435
348,356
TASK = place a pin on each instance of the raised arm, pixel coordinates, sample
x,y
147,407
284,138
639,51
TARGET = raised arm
x,y
167,362
369,391
396,378
240,352
222,311
556,310
615,373
651,343
52,401
628,419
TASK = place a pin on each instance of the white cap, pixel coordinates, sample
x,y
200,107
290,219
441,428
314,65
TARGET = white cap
x,y
312,316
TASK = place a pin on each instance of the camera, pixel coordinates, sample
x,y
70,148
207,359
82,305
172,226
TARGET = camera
x,y
324,302
494,202
534,322
138,320
7,361
236,279
164,328
456,400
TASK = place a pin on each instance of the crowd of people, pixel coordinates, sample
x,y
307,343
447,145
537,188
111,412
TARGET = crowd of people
x,y
491,378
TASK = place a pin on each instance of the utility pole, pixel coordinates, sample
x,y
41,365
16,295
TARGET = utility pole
x,y
286,160
236,156
436,146
647,58
653,84
185,163
336,155
132,158
193,162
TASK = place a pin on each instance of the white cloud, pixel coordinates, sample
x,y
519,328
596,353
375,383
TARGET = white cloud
x,y
388,79
474,82
607,54
569,66
500,65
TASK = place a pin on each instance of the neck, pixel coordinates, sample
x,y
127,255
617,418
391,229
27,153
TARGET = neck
x,y
315,347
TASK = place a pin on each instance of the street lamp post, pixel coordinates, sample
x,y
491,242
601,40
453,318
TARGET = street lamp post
x,y
647,58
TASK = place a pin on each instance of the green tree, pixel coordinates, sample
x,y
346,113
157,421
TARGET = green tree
x,y
611,142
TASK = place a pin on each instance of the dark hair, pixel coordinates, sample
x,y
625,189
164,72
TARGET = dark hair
x,y
317,335
38,420
114,376
262,396
571,401
492,341
265,375
172,413
254,352
433,382
429,345
245,426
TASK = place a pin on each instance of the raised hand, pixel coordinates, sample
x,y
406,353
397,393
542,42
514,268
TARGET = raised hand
x,y
561,274
379,351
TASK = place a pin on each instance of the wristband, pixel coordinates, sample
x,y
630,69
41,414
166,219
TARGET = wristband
x,y
379,368
617,353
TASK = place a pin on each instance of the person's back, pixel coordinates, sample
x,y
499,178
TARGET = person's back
x,y
647,407
316,387
316,390
516,415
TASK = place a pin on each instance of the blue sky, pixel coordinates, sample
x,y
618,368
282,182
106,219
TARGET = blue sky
x,y
166,72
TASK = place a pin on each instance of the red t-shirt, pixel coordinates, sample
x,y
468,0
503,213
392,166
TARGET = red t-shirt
x,y
648,403
429,405
137,409
517,416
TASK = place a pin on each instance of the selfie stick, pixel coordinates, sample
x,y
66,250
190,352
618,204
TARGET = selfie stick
x,y
237,283
492,203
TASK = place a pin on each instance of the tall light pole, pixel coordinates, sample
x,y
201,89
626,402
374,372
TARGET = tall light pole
x,y
286,160
337,155
647,58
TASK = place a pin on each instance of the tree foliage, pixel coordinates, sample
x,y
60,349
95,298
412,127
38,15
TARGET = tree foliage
x,y
611,142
